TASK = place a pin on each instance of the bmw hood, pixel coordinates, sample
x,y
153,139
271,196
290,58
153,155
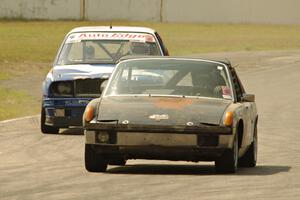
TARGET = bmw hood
x,y
162,110
71,72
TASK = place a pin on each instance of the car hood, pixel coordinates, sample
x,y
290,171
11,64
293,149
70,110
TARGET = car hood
x,y
162,110
72,72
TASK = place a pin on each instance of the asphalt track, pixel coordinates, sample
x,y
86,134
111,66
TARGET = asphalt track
x,y
37,166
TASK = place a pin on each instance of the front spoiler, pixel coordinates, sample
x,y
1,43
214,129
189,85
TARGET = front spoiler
x,y
63,122
174,153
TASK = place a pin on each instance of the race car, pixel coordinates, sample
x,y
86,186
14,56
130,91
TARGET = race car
x,y
198,111
85,59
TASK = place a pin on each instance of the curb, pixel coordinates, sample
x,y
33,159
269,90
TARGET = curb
x,y
18,119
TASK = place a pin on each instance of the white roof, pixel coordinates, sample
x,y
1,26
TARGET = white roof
x,y
112,29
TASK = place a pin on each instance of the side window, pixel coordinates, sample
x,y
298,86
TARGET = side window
x,y
75,53
239,90
163,47
223,75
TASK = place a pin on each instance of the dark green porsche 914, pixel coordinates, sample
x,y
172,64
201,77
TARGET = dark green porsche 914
x,y
169,108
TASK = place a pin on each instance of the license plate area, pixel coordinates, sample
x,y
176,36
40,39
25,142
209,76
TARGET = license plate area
x,y
59,112
162,139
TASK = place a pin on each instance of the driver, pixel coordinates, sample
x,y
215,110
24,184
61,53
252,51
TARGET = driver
x,y
207,82
139,48
90,52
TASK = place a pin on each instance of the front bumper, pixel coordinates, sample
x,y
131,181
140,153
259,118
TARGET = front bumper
x,y
197,143
64,112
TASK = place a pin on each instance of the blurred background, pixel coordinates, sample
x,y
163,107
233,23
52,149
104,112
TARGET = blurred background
x,y
200,11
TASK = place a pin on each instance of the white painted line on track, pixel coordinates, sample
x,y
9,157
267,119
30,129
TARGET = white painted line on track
x,y
18,119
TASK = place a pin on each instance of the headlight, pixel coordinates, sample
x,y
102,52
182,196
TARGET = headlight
x,y
62,88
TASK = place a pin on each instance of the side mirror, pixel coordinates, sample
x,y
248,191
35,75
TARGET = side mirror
x,y
167,52
103,86
248,98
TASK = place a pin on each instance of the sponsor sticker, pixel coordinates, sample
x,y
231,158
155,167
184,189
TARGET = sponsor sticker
x,y
226,92
135,37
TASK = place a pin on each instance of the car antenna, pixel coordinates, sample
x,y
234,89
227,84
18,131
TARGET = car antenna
x,y
110,25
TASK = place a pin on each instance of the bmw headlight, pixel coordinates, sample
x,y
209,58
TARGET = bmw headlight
x,y
62,88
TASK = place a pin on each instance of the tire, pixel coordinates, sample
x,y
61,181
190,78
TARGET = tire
x,y
250,157
228,161
94,162
45,128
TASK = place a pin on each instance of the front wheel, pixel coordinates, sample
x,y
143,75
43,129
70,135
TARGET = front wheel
x,y
250,157
94,162
45,128
228,162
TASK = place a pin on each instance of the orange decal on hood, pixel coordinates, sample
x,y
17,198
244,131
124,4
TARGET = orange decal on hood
x,y
173,103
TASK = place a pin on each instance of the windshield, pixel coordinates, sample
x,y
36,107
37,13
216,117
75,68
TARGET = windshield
x,y
89,48
170,77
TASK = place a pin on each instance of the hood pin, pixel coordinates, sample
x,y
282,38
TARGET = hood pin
x,y
125,122
189,123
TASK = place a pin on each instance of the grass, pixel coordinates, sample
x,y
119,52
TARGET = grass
x,y
15,103
4,76
29,47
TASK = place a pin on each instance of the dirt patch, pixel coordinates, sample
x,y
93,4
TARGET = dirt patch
x,y
26,76
20,88
173,103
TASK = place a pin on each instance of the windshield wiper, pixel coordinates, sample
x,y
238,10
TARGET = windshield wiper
x,y
88,63
165,95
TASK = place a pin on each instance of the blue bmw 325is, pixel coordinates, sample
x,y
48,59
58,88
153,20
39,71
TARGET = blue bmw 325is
x,y
85,59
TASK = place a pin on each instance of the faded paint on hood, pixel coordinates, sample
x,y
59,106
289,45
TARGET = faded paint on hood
x,y
180,111
72,72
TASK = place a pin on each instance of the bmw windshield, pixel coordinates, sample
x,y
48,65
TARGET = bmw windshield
x,y
102,47
170,77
